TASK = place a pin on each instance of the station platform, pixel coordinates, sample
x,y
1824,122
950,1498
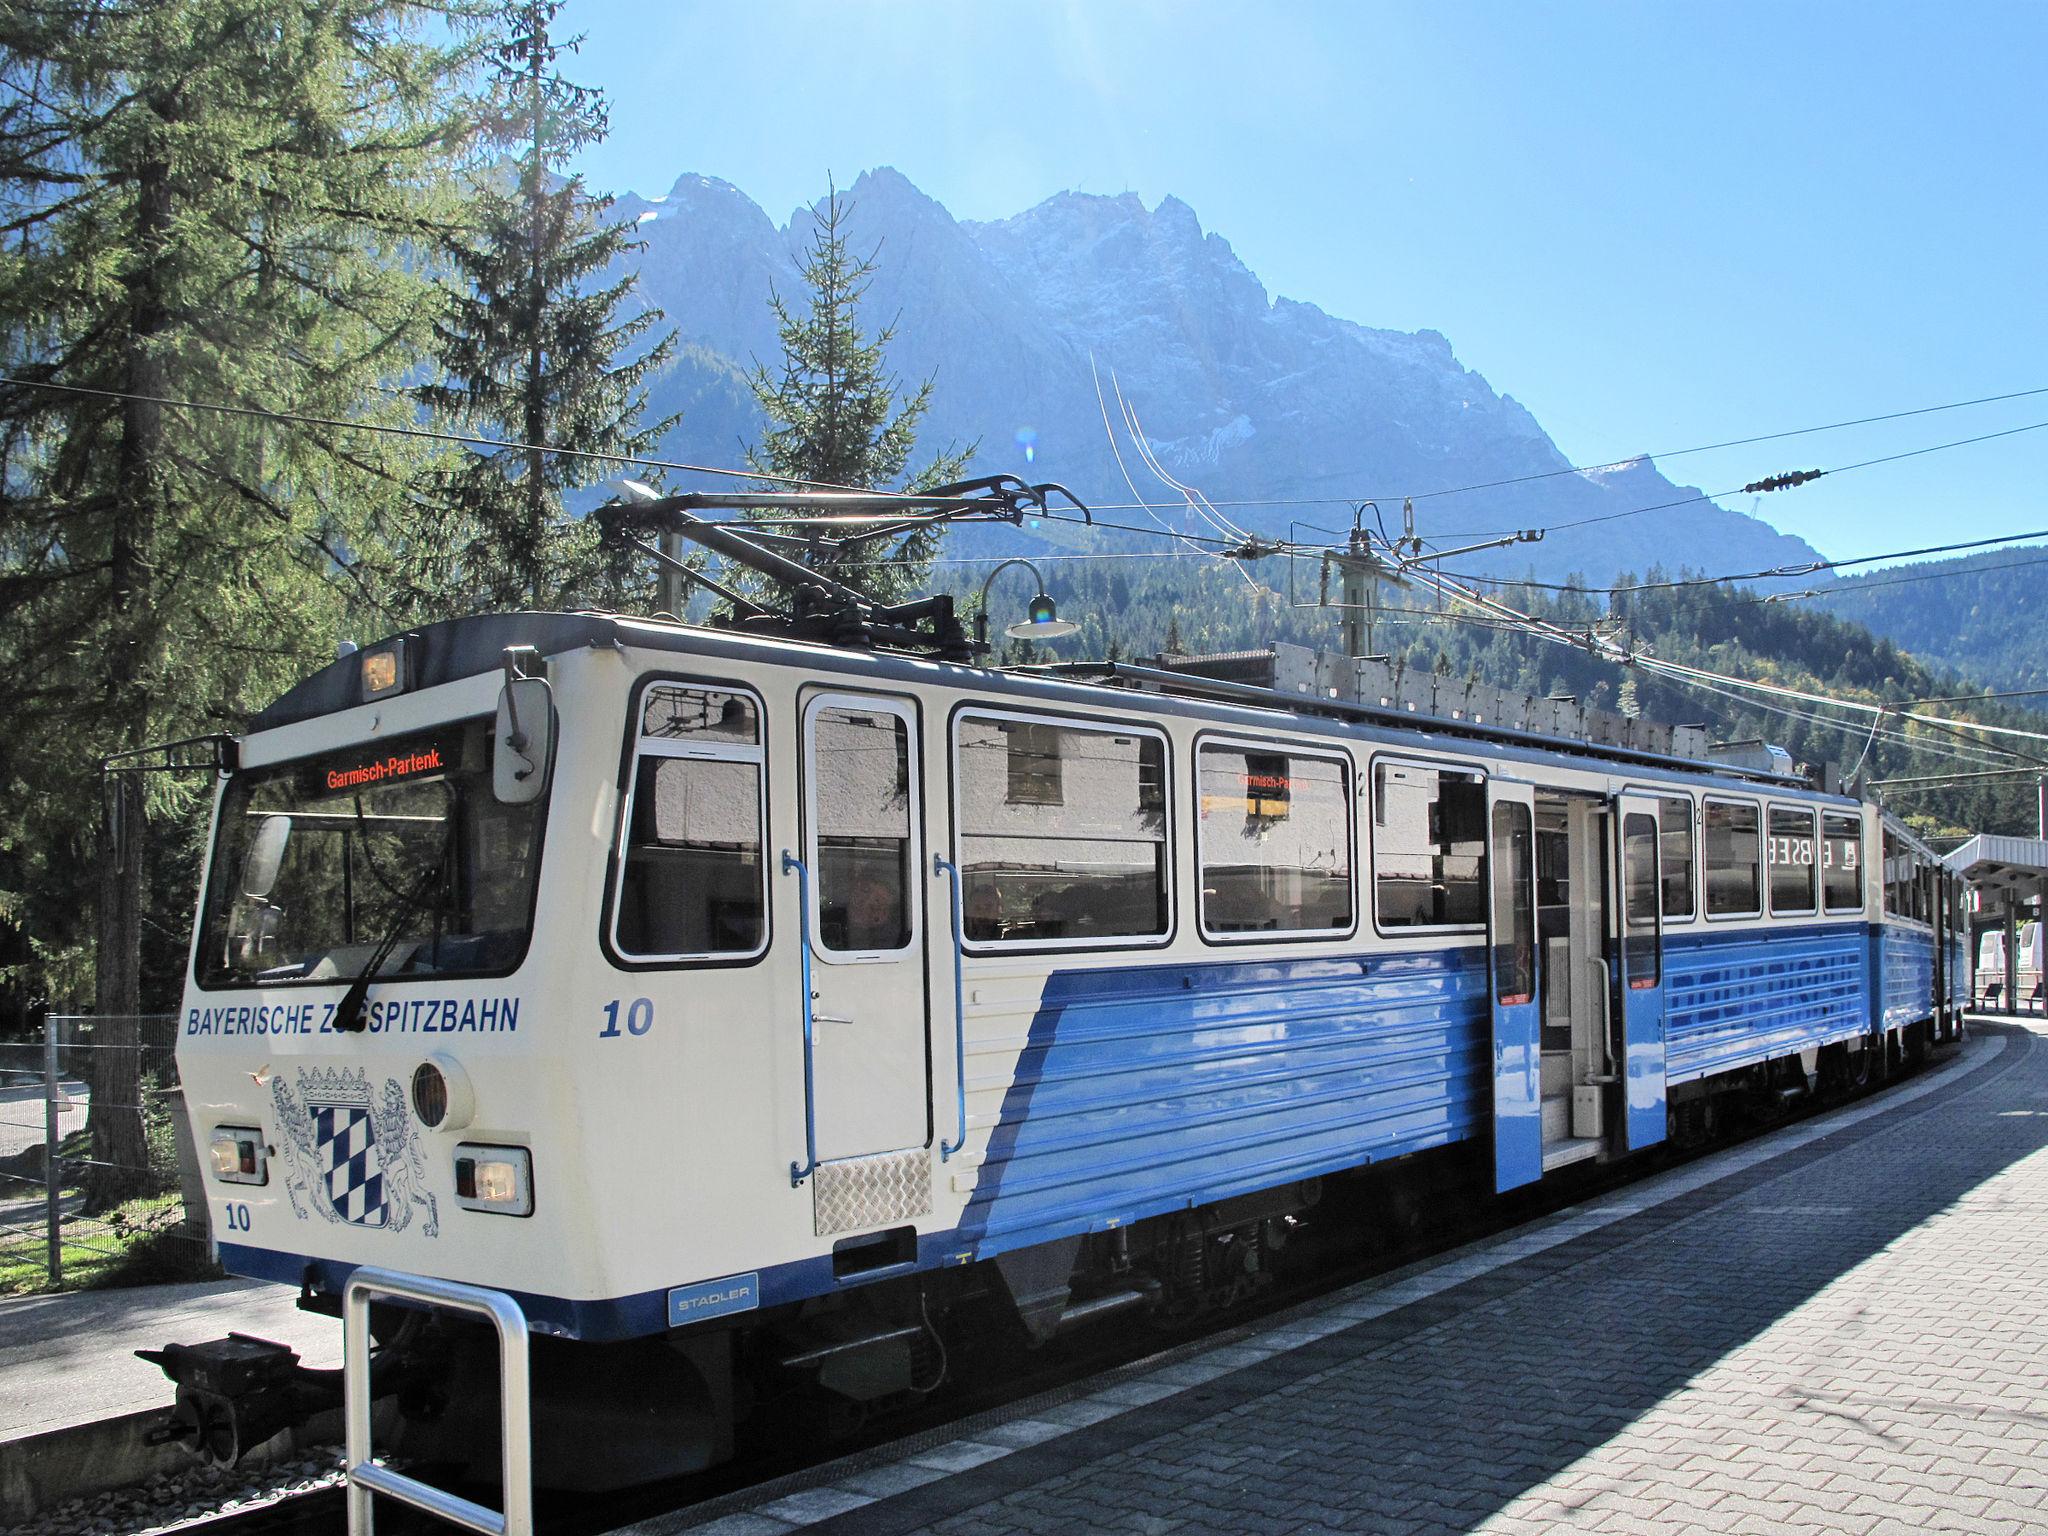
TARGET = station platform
x,y
1841,1326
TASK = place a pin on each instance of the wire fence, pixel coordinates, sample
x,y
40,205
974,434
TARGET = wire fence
x,y
91,1145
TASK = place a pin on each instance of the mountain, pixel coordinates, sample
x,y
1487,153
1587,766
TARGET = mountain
x,y
1244,395
1979,616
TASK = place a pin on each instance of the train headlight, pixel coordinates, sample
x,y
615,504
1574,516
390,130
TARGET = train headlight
x,y
495,1179
442,1096
239,1156
383,670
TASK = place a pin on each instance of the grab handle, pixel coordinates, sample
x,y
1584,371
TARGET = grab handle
x,y
798,1172
941,865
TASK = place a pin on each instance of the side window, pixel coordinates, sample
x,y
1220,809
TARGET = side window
x,y
1894,901
1069,850
1514,907
692,882
862,850
1675,854
1641,858
1428,846
1734,858
1842,862
1274,840
1792,860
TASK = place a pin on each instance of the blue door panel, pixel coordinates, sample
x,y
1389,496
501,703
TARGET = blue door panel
x,y
1517,1095
1906,968
1644,1067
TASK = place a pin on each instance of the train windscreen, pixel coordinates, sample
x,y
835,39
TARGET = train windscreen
x,y
397,847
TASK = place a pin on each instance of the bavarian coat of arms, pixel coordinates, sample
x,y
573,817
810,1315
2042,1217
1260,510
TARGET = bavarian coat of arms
x,y
351,1153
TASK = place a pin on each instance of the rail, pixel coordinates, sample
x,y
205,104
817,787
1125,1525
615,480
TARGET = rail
x,y
366,1476
941,865
798,1172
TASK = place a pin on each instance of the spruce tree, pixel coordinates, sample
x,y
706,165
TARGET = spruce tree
x,y
835,414
212,201
534,348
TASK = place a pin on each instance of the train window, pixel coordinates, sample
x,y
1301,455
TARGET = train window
x,y
1734,857
693,883
862,858
1793,860
1274,835
395,848
1086,867
1841,858
1675,854
1641,862
1514,907
1429,846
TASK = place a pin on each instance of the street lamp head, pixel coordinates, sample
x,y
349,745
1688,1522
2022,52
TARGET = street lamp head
x,y
1042,622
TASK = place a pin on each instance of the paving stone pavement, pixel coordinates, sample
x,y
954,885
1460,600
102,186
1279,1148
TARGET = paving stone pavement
x,y
1847,1335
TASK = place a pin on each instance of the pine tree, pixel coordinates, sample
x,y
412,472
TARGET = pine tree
x,y
835,414
208,200
532,352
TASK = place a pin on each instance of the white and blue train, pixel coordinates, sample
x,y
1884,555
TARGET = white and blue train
x,y
737,1002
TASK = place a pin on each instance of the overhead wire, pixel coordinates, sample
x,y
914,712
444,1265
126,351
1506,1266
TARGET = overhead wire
x,y
1970,750
1865,584
1806,568
1612,464
1699,496
426,434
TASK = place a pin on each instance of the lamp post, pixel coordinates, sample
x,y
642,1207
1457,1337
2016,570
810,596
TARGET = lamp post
x,y
1042,620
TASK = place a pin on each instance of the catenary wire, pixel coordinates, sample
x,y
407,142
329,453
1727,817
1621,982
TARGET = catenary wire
x,y
1588,469
1809,568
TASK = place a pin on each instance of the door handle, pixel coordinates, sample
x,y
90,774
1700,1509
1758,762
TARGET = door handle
x,y
831,1018
792,865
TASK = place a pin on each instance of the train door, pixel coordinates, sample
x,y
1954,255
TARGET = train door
x,y
1572,866
1640,940
1512,986
1941,918
863,820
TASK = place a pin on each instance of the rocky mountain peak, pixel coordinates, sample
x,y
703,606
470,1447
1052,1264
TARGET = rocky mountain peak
x,y
1254,398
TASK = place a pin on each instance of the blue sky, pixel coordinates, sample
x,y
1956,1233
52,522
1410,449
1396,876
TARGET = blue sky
x,y
1656,225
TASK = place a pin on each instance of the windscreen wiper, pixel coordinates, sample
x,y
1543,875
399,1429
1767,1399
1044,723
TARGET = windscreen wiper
x,y
352,1013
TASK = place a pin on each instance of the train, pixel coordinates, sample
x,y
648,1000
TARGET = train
x,y
751,1008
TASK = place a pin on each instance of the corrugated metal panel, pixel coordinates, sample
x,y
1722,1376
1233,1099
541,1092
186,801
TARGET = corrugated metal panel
x,y
1737,998
1906,961
1156,1088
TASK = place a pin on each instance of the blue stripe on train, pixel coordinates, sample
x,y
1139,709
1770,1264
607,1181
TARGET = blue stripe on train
x,y
1733,998
1143,1090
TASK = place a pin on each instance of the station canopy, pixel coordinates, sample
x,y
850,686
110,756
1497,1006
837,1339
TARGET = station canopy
x,y
2008,867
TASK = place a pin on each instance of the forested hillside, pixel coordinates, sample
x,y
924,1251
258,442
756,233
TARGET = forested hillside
x,y
1138,606
1980,615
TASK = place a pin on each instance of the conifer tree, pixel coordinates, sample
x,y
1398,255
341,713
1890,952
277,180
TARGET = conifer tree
x,y
835,414
534,348
213,201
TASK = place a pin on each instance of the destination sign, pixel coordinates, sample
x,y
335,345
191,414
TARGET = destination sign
x,y
395,762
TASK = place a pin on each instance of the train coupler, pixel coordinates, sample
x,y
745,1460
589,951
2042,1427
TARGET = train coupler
x,y
236,1393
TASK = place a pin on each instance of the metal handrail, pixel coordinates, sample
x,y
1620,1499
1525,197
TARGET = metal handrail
x,y
515,1408
941,865
798,1172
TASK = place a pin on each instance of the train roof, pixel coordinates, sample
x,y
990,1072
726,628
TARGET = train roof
x,y
450,649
